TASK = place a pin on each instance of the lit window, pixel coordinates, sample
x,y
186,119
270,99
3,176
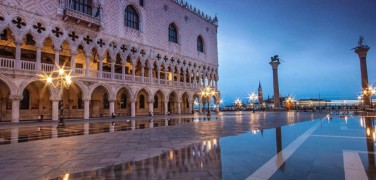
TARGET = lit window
x,y
131,18
172,33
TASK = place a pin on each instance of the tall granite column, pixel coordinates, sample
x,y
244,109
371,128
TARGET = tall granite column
x,y
362,50
275,83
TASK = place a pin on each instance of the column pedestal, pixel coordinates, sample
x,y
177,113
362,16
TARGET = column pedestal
x,y
133,108
55,109
15,108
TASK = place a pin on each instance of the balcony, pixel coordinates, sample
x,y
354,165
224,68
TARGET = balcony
x,y
81,18
33,68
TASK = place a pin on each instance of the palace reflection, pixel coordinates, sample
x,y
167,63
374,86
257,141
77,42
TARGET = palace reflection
x,y
201,160
370,134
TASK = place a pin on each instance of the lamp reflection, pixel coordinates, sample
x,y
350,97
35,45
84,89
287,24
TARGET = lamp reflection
x,y
370,131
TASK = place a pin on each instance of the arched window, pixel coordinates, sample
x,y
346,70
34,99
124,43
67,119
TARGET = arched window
x,y
155,101
25,102
83,6
172,33
142,102
123,101
200,44
106,104
131,18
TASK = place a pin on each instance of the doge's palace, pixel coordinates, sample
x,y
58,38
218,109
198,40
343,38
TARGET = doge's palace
x,y
128,57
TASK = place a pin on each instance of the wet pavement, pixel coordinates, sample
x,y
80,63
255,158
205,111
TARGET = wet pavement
x,y
229,146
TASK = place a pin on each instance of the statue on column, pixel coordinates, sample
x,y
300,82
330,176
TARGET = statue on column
x,y
275,59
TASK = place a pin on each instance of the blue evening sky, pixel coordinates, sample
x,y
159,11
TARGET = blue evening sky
x,y
313,37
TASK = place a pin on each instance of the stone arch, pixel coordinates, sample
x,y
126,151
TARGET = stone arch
x,y
105,86
142,99
10,84
173,100
158,102
123,98
39,102
100,100
185,103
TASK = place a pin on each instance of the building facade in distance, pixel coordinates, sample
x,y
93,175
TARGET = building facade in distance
x,y
129,57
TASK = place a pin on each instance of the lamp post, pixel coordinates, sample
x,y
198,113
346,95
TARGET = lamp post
x,y
58,79
207,93
289,102
238,103
368,93
252,97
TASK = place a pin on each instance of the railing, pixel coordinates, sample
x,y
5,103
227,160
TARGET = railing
x,y
31,66
118,76
79,72
47,67
93,73
6,63
28,65
137,78
106,75
128,77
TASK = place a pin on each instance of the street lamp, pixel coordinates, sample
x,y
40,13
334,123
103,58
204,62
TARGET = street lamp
x,y
252,97
289,102
59,78
207,93
369,92
238,103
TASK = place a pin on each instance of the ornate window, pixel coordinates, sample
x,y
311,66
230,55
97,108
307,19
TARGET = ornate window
x,y
106,104
155,102
142,102
25,102
83,6
131,18
172,33
200,44
123,101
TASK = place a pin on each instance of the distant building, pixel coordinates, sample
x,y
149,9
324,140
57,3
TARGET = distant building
x,y
260,94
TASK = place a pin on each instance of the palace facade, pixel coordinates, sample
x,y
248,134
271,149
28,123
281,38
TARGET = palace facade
x,y
129,57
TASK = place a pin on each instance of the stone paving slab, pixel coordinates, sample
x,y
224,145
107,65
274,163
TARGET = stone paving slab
x,y
44,159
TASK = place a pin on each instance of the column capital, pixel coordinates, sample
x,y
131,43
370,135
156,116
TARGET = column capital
x,y
55,99
15,97
111,100
86,99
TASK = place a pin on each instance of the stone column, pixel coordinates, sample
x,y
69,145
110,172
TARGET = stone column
x,y
86,128
199,106
123,69
14,133
166,74
73,62
217,107
87,70
113,70
133,108
275,83
100,71
112,106
159,75
133,71
17,63
190,108
38,65
142,72
86,108
57,57
362,53
133,124
151,107
15,108
166,107
179,107
150,74
55,109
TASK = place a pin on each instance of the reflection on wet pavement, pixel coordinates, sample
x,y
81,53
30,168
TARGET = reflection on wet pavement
x,y
197,161
329,145
26,134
